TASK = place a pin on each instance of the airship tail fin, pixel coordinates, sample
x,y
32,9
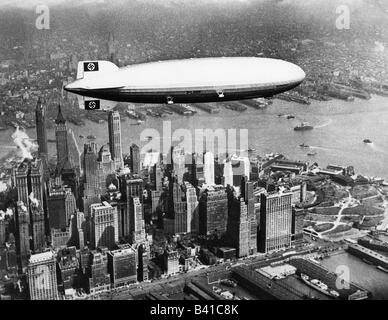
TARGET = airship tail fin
x,y
88,69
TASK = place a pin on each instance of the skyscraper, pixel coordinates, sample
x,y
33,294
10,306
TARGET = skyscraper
x,y
99,279
247,193
90,158
275,221
114,127
122,265
192,208
104,225
61,140
28,179
56,207
41,134
238,227
213,211
38,226
42,277
178,162
136,220
180,209
197,169
143,251
135,158
209,168
23,223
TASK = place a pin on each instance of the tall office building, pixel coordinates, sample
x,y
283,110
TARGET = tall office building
x,y
41,133
61,140
42,276
122,265
114,127
178,163
97,272
192,205
228,173
209,168
275,221
197,170
90,158
180,209
2,228
157,177
134,151
70,205
74,152
38,226
238,227
247,193
23,224
104,225
99,278
68,267
143,251
56,207
241,167
213,211
136,220
28,179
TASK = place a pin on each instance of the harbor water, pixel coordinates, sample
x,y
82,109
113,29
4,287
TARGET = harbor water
x,y
339,130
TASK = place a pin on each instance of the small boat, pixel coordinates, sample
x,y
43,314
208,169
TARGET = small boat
x,y
303,145
290,116
251,149
81,136
367,261
382,269
303,127
280,115
367,141
319,286
91,137
312,153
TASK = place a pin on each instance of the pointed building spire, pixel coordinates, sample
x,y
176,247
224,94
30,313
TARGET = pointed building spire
x,y
60,118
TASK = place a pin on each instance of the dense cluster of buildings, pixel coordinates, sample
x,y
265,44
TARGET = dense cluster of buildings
x,y
103,220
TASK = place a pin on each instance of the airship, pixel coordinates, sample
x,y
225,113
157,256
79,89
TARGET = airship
x,y
184,81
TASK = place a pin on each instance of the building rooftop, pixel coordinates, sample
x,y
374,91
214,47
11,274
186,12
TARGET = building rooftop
x,y
41,257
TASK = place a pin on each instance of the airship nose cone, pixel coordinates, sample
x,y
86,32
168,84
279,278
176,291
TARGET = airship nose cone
x,y
294,73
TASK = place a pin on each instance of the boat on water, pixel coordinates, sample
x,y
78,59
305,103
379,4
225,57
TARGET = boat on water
x,y
251,149
290,116
312,153
81,136
382,269
367,141
319,286
303,145
368,262
303,127
91,137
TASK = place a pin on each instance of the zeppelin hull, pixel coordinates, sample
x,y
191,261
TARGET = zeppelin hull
x,y
186,96
186,81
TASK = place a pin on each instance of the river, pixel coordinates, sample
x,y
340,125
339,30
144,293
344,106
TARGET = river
x,y
340,128
366,275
